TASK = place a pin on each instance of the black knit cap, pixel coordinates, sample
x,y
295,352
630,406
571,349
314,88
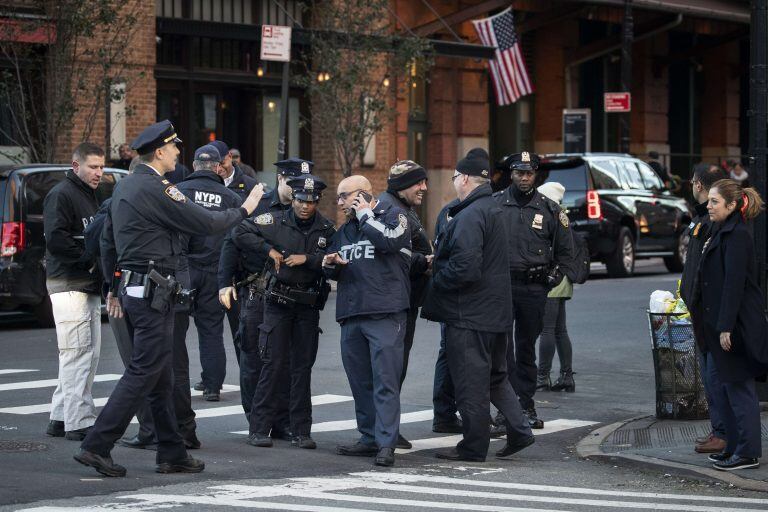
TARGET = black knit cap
x,y
476,163
404,174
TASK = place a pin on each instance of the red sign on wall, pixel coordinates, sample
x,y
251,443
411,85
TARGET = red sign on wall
x,y
617,101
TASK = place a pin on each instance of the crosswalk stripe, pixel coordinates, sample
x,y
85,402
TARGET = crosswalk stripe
x,y
10,371
48,383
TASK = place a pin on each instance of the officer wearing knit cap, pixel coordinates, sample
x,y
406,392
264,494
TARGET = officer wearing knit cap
x,y
406,186
476,163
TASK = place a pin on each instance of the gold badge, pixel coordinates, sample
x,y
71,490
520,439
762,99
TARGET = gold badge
x,y
696,229
165,182
175,194
563,219
309,184
304,167
538,221
265,219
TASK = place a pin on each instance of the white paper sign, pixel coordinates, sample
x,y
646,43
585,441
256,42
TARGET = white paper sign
x,y
276,43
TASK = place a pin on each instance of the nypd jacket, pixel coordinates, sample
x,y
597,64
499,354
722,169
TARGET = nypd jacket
x,y
470,286
207,189
420,247
235,265
377,247
281,231
241,184
67,210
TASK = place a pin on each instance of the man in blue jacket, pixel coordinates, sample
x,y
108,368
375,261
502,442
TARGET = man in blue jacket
x,y
370,258
205,187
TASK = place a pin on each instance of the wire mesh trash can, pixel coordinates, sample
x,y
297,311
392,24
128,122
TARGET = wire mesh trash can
x,y
679,388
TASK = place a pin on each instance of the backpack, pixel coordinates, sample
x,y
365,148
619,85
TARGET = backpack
x,y
577,270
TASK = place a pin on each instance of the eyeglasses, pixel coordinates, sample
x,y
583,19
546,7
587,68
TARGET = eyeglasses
x,y
344,195
453,178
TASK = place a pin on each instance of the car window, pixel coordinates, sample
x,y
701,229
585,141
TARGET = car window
x,y
651,180
631,176
36,187
572,178
605,175
106,187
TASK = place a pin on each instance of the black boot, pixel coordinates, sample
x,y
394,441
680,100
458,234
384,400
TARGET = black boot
x,y
543,382
565,382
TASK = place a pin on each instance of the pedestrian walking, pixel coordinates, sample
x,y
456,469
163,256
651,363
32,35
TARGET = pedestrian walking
x,y
74,284
148,213
699,231
735,325
370,258
469,287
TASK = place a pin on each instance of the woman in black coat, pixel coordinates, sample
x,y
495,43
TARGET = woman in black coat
x,y
735,327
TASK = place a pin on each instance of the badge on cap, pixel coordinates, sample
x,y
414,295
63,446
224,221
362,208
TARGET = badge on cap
x,y
538,221
304,167
484,173
526,157
321,243
309,183
563,219
175,194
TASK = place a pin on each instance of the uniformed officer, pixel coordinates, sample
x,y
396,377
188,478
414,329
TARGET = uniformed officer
x,y
148,213
205,187
294,292
538,240
235,266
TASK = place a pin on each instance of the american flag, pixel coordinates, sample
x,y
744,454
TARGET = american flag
x,y
508,73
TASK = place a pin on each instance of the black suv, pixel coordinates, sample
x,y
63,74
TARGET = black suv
x,y
622,206
22,244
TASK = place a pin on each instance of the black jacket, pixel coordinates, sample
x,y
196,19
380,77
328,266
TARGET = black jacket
x,y
148,216
241,184
281,232
420,248
732,302
207,189
470,286
699,232
67,210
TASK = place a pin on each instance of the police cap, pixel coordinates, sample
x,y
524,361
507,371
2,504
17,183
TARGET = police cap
x,y
294,167
307,187
524,161
154,137
207,153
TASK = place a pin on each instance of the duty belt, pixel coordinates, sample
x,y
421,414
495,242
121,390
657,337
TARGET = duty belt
x,y
289,295
535,274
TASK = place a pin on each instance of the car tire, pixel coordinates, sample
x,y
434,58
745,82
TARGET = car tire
x,y
621,262
676,262
44,313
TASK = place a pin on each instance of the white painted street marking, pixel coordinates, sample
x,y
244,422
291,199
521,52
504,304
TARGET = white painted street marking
x,y
49,383
10,371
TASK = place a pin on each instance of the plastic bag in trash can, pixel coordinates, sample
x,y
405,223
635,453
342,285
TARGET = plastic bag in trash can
x,y
660,300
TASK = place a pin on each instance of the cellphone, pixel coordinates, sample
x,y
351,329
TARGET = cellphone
x,y
365,195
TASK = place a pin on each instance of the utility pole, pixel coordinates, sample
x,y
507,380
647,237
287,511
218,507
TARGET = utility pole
x,y
758,123
627,37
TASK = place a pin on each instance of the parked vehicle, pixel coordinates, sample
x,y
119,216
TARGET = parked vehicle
x,y
22,243
622,206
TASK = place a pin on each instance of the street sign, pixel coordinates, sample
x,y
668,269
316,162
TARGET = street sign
x,y
617,101
276,43
577,130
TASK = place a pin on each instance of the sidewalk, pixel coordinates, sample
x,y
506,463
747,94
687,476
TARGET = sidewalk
x,y
668,445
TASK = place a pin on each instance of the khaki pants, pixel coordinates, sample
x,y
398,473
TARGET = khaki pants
x,y
78,331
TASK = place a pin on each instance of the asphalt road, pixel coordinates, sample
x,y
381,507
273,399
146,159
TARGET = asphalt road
x,y
614,381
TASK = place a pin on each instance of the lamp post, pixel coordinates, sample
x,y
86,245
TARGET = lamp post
x,y
627,37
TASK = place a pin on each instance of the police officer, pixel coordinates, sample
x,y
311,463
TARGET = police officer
x,y
294,292
205,187
148,213
538,240
235,266
234,178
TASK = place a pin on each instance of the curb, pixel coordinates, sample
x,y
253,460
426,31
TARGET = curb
x,y
589,448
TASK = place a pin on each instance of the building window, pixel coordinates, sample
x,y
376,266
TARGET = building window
x,y
247,12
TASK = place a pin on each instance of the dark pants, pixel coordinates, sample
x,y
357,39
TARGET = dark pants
x,y
289,337
554,336
737,405
528,302
443,399
233,318
410,331
477,362
209,320
150,375
372,353
182,395
252,316
711,383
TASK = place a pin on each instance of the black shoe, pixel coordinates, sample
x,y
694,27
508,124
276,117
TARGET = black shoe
x,y
281,434
188,465
453,426
211,396
103,465
137,442
453,454
533,419
55,428
499,419
543,382
498,430
199,386
512,448
191,442
403,443
385,457
735,462
77,435
260,440
719,457
565,382
304,441
357,450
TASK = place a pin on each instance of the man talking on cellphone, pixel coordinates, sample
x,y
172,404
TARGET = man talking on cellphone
x,y
369,257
